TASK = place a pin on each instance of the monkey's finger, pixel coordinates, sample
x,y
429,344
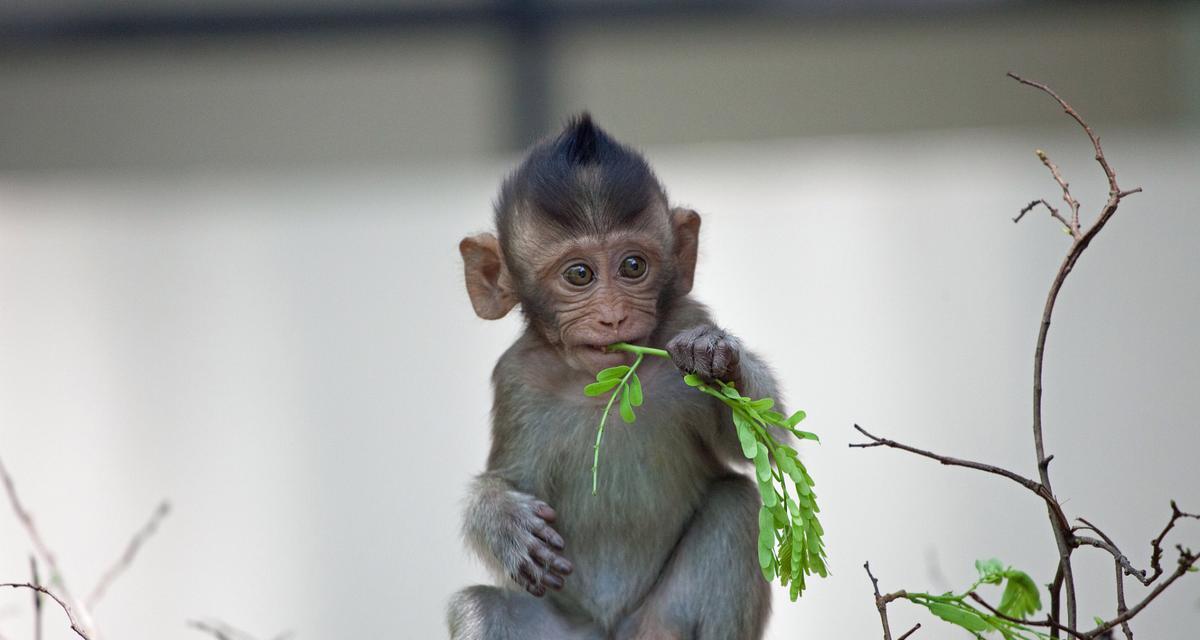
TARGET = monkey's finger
x,y
552,581
550,560
725,359
545,512
548,535
681,353
703,351
528,579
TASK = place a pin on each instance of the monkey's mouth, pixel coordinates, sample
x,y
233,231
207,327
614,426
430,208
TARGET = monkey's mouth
x,y
599,356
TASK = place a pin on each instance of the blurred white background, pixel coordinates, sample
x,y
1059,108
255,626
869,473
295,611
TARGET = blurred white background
x,y
269,328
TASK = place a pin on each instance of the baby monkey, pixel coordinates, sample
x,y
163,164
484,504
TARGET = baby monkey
x,y
589,247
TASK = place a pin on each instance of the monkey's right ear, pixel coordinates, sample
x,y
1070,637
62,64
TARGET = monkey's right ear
x,y
488,281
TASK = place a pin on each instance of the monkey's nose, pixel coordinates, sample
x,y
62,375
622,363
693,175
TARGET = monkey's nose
x,y
613,321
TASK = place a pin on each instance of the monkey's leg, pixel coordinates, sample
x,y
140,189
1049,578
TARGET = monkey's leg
x,y
491,613
712,588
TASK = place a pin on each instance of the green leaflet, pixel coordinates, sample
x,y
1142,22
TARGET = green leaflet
x,y
964,618
762,466
635,391
767,491
1020,599
990,571
600,387
613,373
627,409
762,405
745,434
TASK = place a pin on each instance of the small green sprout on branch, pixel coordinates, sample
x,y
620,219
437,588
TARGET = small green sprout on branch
x,y
1018,601
789,540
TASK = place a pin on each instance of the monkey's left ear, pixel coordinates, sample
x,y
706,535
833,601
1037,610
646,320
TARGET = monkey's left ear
x,y
687,243
488,280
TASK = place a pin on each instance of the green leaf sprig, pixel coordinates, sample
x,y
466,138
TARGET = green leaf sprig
x,y
1019,600
790,546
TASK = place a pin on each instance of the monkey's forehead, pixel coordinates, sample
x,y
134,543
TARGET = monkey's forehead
x,y
547,250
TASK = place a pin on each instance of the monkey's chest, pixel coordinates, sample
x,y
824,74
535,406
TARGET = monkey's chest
x,y
650,477
655,463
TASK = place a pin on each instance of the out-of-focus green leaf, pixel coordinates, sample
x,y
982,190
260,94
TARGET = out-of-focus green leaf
x,y
990,571
1020,599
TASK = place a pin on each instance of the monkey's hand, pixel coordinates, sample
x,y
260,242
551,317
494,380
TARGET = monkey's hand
x,y
525,544
707,352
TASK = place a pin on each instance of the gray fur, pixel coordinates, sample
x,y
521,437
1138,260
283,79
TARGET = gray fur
x,y
665,550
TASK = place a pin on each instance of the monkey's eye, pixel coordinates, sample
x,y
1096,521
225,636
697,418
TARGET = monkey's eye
x,y
579,274
633,267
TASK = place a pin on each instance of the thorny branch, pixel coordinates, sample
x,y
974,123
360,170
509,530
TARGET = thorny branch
x,y
1066,537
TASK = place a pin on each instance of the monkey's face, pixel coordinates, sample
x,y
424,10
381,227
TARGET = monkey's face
x,y
594,291
587,291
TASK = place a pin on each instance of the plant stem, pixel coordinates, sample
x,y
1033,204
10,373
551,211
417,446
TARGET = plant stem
x,y
607,408
640,351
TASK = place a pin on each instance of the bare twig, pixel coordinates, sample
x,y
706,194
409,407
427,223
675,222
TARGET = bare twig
x,y
43,550
1187,560
1072,203
1055,587
910,631
1066,537
1156,550
1061,528
1028,483
881,603
1053,213
76,626
876,441
127,557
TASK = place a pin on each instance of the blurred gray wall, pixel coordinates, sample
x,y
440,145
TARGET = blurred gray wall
x,y
453,88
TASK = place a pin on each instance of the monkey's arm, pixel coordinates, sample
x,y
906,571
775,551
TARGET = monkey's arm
x,y
509,529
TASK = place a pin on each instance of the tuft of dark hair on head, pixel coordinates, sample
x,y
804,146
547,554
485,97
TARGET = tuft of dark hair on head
x,y
580,139
580,181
